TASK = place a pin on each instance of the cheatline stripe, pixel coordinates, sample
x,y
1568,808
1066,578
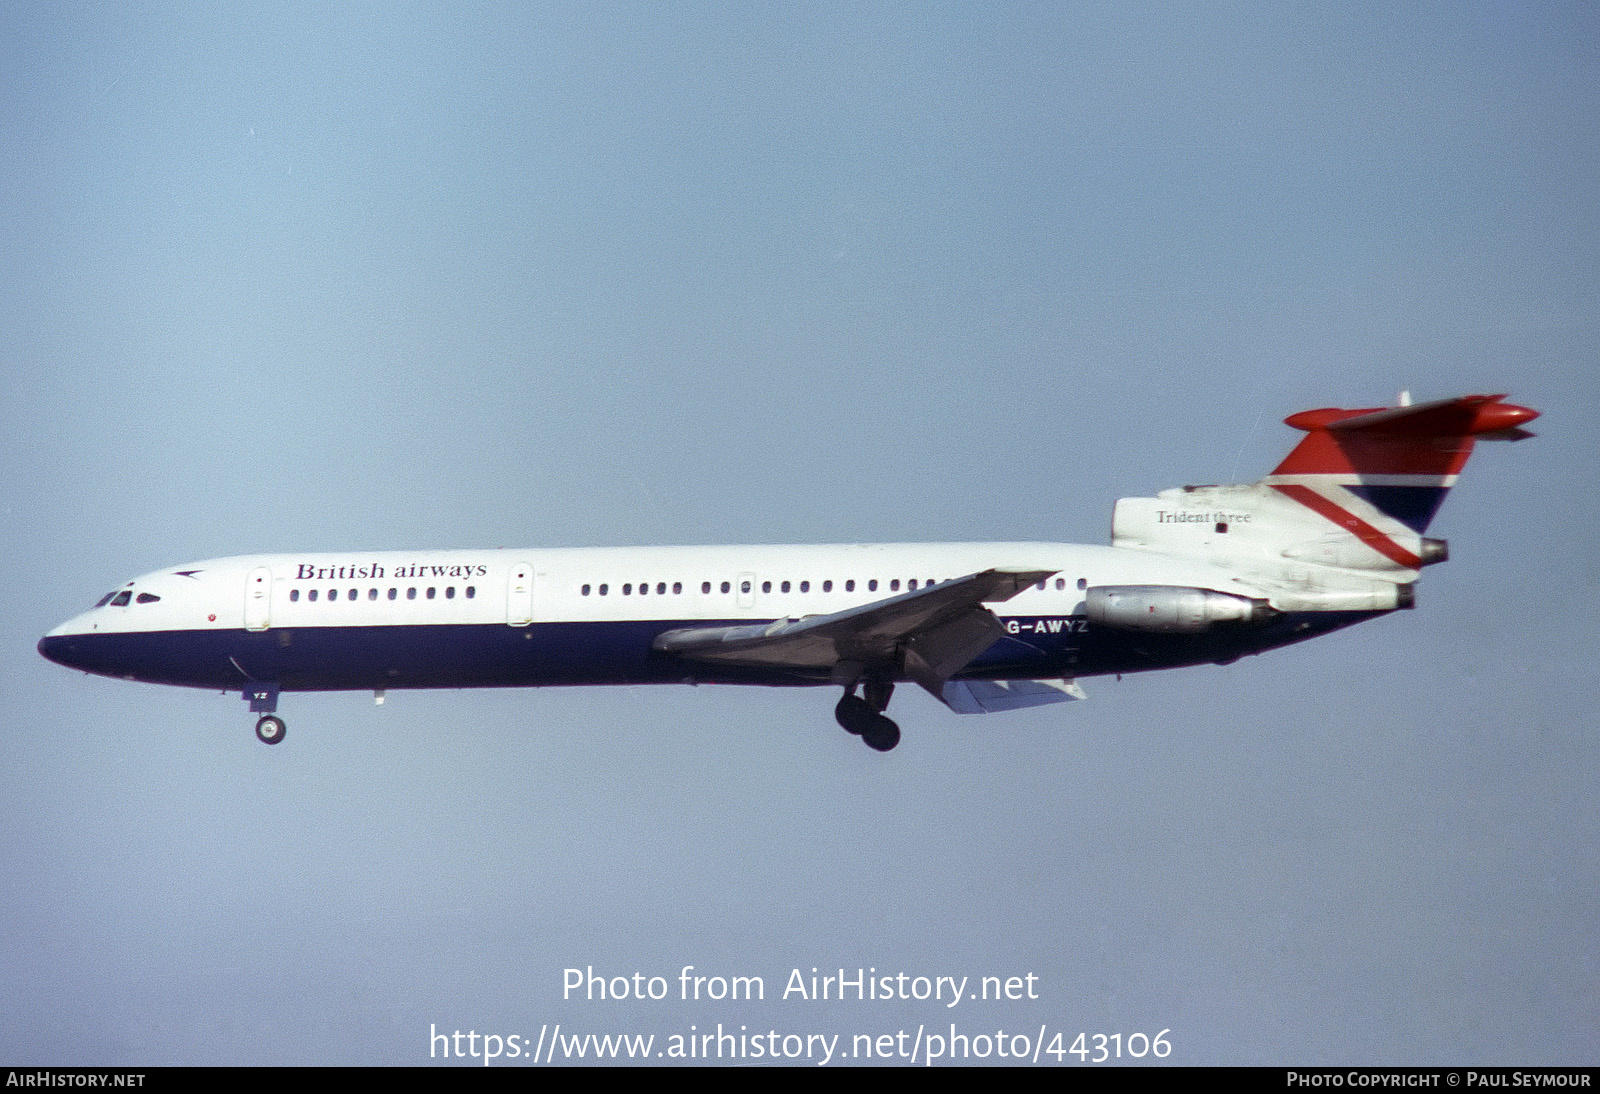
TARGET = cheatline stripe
x,y
1363,531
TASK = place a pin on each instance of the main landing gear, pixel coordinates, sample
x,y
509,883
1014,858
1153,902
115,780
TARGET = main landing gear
x,y
864,717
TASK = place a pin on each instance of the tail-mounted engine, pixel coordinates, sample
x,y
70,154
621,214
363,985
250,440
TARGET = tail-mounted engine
x,y
1171,609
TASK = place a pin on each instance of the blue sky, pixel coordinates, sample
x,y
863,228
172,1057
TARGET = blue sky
x,y
406,277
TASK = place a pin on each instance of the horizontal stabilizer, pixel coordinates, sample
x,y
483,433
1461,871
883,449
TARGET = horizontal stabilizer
x,y
991,697
1462,417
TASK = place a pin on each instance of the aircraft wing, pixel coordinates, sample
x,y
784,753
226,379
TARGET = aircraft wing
x,y
932,632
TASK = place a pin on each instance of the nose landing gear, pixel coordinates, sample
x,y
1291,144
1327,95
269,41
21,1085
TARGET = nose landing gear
x,y
270,729
263,700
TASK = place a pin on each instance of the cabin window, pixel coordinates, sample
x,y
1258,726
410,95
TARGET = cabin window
x,y
725,587
827,586
1061,583
372,594
585,590
872,585
472,591
450,592
411,593
1040,586
312,595
805,586
393,593
147,598
677,587
604,589
1083,583
294,594
627,590
355,594
705,587
744,587
784,587
850,585
766,586
644,588
431,591
333,594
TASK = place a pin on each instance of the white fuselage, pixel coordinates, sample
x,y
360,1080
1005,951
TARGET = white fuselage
x,y
374,589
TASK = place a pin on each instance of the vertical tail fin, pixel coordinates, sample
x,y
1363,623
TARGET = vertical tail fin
x,y
1343,516
1401,461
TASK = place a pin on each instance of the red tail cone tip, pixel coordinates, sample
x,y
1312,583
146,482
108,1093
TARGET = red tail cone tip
x,y
1495,417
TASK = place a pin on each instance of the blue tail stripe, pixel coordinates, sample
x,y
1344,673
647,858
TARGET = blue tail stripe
x,y
1413,506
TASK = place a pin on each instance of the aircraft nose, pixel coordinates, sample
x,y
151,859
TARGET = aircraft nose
x,y
68,644
57,648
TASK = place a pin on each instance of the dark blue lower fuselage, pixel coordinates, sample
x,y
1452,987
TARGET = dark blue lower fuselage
x,y
593,653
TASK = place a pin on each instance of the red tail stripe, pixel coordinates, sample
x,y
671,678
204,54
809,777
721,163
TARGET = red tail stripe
x,y
1363,531
1324,453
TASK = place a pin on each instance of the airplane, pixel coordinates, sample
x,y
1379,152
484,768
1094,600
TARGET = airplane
x,y
1195,575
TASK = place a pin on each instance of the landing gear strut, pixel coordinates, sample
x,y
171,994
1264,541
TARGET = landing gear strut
x,y
263,700
864,717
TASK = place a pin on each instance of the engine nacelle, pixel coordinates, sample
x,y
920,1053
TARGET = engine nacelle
x,y
1170,609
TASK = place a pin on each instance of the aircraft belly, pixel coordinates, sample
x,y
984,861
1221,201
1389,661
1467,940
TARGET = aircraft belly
x,y
1105,650
358,658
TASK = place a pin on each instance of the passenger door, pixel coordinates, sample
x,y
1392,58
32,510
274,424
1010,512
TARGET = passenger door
x,y
258,599
519,595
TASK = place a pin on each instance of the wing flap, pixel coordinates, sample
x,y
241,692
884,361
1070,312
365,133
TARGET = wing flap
x,y
991,697
935,654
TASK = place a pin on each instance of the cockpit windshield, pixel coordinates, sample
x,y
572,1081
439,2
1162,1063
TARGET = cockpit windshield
x,y
121,598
